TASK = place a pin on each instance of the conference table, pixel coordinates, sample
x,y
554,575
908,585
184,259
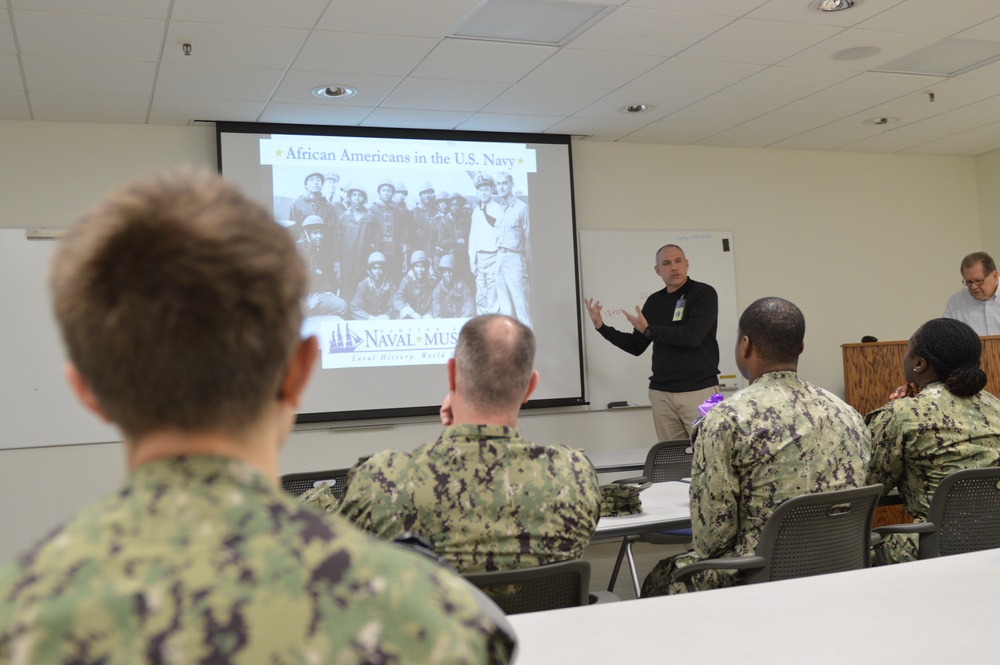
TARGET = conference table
x,y
933,611
665,506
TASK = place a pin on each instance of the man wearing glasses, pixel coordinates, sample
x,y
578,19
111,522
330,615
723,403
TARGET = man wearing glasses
x,y
977,304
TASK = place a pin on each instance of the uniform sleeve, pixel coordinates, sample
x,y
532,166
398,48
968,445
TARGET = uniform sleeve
x,y
356,504
886,465
702,312
714,487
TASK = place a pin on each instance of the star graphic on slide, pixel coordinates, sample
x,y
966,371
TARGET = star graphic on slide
x,y
520,160
420,339
278,152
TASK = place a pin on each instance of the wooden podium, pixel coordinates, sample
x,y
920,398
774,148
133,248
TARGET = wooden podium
x,y
872,371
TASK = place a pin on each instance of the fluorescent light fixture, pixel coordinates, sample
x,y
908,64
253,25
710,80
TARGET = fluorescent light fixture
x,y
948,57
529,21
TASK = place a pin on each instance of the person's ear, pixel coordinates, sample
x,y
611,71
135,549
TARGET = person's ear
x,y
919,364
532,384
298,371
82,390
744,346
451,375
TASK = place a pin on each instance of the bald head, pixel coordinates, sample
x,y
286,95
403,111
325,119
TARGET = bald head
x,y
493,362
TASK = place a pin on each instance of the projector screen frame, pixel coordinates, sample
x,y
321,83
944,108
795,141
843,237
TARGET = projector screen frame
x,y
421,408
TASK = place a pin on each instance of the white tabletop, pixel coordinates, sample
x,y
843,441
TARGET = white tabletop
x,y
664,506
610,461
935,611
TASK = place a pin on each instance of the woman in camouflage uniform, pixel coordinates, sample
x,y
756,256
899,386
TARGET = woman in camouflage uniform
x,y
940,422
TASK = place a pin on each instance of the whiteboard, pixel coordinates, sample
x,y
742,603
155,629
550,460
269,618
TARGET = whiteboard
x,y
38,408
617,269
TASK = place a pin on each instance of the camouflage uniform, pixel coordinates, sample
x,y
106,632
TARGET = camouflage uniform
x,y
774,440
920,440
486,499
203,559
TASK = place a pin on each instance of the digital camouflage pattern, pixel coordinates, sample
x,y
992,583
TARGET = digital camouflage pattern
x,y
204,560
919,440
774,440
322,497
485,498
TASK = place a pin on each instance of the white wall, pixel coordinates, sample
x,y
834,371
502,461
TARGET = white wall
x,y
864,244
988,177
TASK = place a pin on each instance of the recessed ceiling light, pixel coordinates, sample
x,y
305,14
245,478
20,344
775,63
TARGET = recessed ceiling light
x,y
832,5
882,120
334,91
637,108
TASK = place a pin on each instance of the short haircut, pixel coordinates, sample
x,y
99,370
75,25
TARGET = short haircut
x,y
494,359
776,328
656,260
179,302
978,257
953,349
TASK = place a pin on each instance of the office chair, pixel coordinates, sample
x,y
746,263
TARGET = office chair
x,y
964,516
549,587
812,534
666,461
297,483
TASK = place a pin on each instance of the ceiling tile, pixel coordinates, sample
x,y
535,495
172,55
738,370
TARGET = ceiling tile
x,y
744,136
932,17
648,31
872,88
125,8
720,109
313,114
73,76
599,129
396,17
906,116
543,100
988,31
950,94
821,139
261,13
691,77
674,133
499,122
758,42
231,83
232,45
107,37
969,143
52,106
613,104
7,45
590,69
297,86
473,60
788,83
989,72
184,111
13,105
363,54
415,119
416,93
10,73
805,115
731,8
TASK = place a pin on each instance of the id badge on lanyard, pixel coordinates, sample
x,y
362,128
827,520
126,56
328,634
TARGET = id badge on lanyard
x,y
679,309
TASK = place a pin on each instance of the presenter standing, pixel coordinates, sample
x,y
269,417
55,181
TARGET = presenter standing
x,y
977,304
681,322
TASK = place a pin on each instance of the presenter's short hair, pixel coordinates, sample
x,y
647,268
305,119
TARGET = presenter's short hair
x,y
179,302
494,359
776,327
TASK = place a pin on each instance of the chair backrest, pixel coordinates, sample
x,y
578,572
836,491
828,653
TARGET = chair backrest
x,y
813,534
669,460
297,483
966,510
549,587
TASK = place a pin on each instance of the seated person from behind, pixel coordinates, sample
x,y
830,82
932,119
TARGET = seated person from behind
x,y
484,497
373,299
940,422
199,556
778,438
413,297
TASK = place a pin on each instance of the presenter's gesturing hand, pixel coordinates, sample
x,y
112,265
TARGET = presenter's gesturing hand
x,y
638,321
594,309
